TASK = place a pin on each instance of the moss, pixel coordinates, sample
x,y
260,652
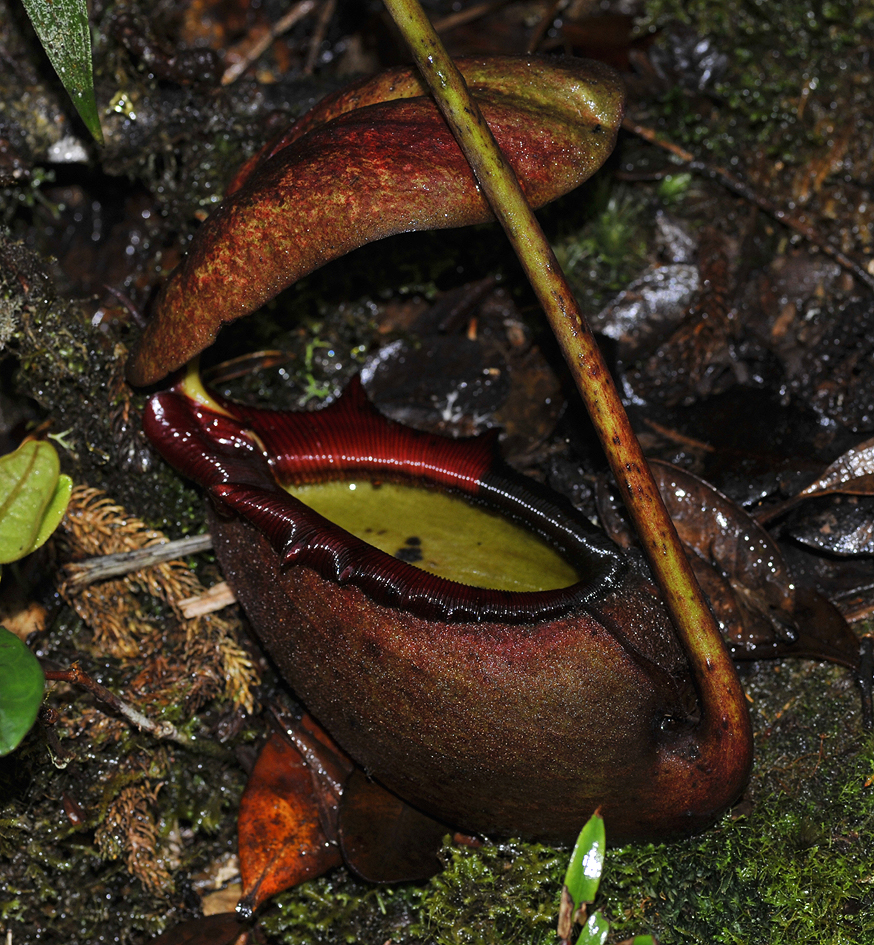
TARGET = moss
x,y
605,246
492,894
797,866
339,909
806,48
74,371
503,893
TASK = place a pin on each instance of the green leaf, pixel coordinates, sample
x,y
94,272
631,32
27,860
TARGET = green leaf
x,y
595,931
62,28
55,511
587,861
643,940
21,690
33,498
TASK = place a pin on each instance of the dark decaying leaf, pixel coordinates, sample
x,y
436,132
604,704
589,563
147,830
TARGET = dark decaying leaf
x,y
347,175
844,527
742,570
219,929
645,313
287,820
852,473
693,361
836,375
823,633
383,839
723,533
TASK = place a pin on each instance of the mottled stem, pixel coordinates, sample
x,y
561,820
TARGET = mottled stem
x,y
722,699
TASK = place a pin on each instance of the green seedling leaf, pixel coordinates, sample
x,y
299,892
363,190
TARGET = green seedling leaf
x,y
595,931
33,498
587,861
21,690
62,28
366,164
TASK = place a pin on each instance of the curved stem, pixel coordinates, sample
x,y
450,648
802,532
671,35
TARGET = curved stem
x,y
723,704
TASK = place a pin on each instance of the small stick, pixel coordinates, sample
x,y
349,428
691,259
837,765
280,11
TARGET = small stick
x,y
544,24
283,25
165,731
216,598
90,570
318,36
463,17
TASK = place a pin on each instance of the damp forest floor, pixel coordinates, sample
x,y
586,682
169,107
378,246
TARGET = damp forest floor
x,y
741,339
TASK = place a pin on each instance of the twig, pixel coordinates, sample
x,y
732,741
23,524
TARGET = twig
x,y
544,24
216,598
742,189
318,37
463,17
165,731
675,436
283,25
80,574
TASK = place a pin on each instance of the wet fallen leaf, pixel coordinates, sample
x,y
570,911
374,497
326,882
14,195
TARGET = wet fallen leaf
x,y
721,531
347,175
287,822
383,839
836,375
742,570
852,473
645,313
693,362
845,527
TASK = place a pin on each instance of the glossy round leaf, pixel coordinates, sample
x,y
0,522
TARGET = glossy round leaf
x,y
33,498
21,690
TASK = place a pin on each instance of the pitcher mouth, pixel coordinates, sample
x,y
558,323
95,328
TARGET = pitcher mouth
x,y
245,456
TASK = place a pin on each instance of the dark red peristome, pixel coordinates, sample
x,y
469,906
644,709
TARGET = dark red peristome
x,y
350,439
505,714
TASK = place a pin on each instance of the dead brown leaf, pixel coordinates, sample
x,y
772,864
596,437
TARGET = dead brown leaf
x,y
287,824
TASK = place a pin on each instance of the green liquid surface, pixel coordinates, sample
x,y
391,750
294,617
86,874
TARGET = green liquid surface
x,y
442,534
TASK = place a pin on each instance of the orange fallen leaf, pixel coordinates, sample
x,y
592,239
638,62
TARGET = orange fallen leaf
x,y
288,813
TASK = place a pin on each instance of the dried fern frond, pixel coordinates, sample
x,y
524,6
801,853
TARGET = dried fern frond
x,y
129,830
95,525
201,655
212,642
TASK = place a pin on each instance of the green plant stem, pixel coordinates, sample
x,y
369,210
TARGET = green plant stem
x,y
721,695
